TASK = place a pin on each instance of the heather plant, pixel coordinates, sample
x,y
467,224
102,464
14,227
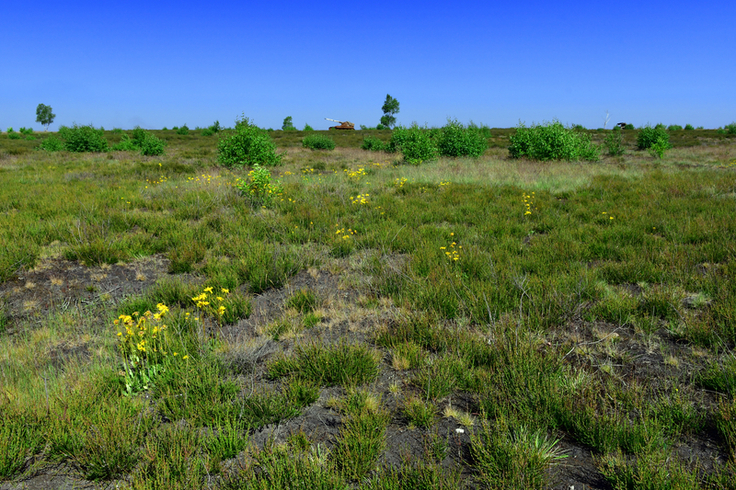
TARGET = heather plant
x,y
318,142
247,146
551,141
83,139
456,140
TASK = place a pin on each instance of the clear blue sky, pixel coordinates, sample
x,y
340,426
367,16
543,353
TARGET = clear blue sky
x,y
162,63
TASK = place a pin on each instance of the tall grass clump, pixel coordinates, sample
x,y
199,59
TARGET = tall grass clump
x,y
456,140
318,142
83,139
552,141
247,146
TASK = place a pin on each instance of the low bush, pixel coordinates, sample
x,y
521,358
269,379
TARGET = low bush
x,y
552,141
455,140
307,127
415,143
14,136
629,126
83,139
26,131
142,141
248,145
318,142
649,136
182,130
674,127
614,143
152,145
689,127
52,143
259,187
372,143
730,128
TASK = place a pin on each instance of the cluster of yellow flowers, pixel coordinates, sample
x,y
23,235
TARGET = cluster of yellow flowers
x,y
609,217
203,301
206,179
453,252
355,174
444,183
528,203
308,170
360,199
400,182
343,234
160,180
143,335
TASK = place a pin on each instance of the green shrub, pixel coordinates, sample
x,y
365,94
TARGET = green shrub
x,y
14,136
26,131
318,142
455,140
551,141
126,144
649,136
215,127
415,143
142,141
152,145
629,126
372,143
689,127
614,143
249,145
258,187
52,143
730,128
307,127
182,130
658,148
674,127
10,130
83,138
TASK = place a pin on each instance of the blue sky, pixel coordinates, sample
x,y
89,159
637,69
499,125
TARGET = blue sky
x,y
157,64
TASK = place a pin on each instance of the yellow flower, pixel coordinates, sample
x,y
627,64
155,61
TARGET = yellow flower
x,y
226,291
185,357
208,289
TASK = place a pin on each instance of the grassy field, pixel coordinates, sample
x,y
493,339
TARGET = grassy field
x,y
465,323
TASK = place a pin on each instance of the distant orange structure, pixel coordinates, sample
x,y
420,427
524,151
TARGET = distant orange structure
x,y
343,124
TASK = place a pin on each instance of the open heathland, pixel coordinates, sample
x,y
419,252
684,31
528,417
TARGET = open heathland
x,y
340,318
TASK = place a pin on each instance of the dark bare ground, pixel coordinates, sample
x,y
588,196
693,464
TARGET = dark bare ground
x,y
347,317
